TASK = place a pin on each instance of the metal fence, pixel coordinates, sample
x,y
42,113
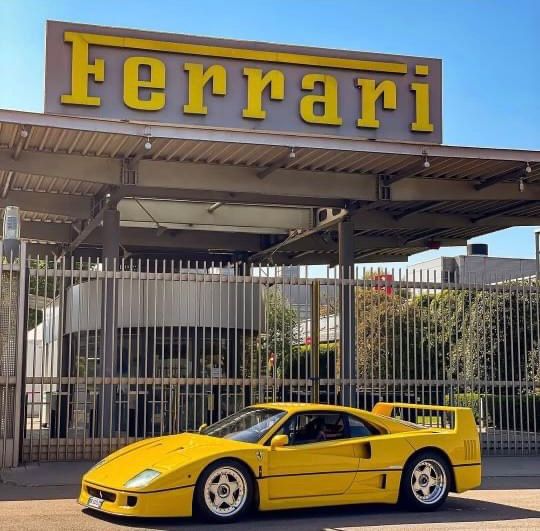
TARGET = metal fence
x,y
12,287
115,354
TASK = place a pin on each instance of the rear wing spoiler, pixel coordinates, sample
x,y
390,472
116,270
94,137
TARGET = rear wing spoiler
x,y
458,419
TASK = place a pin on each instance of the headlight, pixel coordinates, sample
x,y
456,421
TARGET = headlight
x,y
142,479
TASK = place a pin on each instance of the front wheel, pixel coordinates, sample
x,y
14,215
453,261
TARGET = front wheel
x,y
224,491
425,482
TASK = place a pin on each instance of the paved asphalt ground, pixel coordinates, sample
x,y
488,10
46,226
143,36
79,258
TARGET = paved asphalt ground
x,y
43,498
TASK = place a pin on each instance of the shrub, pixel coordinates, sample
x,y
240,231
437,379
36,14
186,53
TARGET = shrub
x,y
506,412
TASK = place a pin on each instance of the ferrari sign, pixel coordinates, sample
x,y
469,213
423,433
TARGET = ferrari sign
x,y
177,79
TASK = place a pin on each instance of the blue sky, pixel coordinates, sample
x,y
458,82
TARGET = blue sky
x,y
490,51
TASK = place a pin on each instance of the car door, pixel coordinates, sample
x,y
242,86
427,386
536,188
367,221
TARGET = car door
x,y
316,462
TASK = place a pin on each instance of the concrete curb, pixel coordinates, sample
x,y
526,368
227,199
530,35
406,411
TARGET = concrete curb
x,y
56,474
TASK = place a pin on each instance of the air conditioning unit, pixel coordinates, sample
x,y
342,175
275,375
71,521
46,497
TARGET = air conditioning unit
x,y
323,216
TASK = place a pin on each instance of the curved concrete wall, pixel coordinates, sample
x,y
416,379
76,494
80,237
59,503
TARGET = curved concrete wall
x,y
167,303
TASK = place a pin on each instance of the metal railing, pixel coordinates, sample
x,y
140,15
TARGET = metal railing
x,y
116,354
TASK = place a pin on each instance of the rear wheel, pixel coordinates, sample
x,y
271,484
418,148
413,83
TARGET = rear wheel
x,y
224,491
425,482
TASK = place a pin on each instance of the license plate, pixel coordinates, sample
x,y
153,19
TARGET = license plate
x,y
94,503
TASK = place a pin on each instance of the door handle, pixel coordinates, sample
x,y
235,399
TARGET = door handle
x,y
364,450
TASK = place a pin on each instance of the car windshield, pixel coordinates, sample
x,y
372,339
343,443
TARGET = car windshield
x,y
248,425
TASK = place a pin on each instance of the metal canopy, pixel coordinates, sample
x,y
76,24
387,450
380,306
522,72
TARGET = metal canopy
x,y
211,194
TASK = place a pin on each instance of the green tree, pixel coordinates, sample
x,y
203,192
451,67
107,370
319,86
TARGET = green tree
x,y
278,344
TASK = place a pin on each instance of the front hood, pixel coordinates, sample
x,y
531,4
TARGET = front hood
x,y
160,453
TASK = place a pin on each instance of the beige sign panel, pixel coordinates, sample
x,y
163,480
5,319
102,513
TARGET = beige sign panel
x,y
132,75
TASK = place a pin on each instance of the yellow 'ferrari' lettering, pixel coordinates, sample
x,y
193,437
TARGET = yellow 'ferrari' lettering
x,y
371,92
314,89
256,85
133,83
328,100
81,70
421,123
197,80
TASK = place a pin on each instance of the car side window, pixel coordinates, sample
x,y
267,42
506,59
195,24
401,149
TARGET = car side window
x,y
306,428
359,428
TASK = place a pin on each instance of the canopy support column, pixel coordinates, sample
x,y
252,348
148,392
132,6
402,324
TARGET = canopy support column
x,y
109,315
347,316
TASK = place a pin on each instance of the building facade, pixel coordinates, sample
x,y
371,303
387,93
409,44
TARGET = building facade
x,y
474,267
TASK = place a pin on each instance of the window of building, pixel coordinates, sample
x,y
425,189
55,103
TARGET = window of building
x,y
449,276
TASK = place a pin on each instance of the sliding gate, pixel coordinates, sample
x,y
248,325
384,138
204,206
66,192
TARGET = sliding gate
x,y
112,353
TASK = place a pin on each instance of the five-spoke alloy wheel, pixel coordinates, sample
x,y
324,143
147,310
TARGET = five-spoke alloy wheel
x,y
224,491
425,482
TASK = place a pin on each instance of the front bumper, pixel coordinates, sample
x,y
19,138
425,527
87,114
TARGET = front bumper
x,y
170,502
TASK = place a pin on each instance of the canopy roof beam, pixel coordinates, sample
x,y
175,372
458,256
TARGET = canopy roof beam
x,y
75,206
280,162
110,201
416,210
501,212
237,179
506,176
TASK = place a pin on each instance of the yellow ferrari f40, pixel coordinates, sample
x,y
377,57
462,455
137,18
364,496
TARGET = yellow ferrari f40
x,y
283,456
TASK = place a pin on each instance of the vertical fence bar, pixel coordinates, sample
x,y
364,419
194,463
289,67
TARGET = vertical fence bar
x,y
506,294
97,357
34,362
44,324
20,361
528,339
177,306
315,340
304,302
535,365
77,387
253,333
513,346
202,298
5,373
490,324
220,341
129,340
499,378
522,364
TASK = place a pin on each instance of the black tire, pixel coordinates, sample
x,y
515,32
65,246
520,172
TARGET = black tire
x,y
209,491
425,482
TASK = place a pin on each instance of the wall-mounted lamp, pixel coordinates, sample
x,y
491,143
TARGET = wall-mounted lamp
x,y
11,233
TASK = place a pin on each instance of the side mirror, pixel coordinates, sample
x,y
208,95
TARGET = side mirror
x,y
278,441
202,427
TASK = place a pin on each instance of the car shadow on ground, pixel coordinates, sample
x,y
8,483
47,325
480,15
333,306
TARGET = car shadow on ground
x,y
455,510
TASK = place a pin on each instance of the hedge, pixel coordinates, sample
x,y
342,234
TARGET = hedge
x,y
507,412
